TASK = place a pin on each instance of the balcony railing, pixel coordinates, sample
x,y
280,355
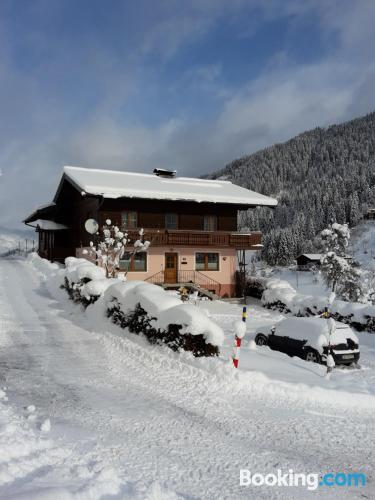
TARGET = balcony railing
x,y
165,237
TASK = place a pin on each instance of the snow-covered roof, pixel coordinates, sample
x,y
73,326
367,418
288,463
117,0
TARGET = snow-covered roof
x,y
48,225
312,256
42,210
46,205
118,184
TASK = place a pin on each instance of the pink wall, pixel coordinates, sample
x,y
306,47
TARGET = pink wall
x,y
186,262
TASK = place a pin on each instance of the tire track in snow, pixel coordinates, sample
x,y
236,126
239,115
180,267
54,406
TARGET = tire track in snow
x,y
162,416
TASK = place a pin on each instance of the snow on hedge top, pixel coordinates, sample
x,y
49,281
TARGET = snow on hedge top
x,y
192,321
152,298
281,291
165,308
78,269
97,287
117,184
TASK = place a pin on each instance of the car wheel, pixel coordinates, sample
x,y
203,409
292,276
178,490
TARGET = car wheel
x,y
261,339
313,356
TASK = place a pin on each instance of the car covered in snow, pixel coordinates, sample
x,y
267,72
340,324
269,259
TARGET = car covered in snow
x,y
309,339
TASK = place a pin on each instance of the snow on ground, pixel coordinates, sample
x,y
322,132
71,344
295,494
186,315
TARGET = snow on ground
x,y
304,282
362,244
130,420
280,367
11,239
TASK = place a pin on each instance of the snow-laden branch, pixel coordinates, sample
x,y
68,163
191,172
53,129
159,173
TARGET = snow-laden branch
x,y
113,244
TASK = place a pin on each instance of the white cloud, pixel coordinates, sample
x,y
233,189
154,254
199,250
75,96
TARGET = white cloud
x,y
41,131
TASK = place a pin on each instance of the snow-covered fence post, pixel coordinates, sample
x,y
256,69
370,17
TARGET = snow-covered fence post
x,y
239,333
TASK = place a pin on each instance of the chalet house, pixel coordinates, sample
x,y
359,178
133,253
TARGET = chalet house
x,y
308,260
191,223
370,215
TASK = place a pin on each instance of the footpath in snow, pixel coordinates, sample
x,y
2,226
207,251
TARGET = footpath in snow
x,y
118,418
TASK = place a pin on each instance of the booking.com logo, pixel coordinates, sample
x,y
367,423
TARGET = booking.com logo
x,y
311,481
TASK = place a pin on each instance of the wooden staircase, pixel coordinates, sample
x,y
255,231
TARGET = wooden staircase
x,y
191,286
192,280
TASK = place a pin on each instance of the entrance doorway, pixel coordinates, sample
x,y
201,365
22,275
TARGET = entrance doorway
x,y
170,272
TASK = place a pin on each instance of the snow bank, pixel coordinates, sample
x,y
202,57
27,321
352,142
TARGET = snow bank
x,y
139,306
96,288
163,309
192,320
280,295
79,269
152,298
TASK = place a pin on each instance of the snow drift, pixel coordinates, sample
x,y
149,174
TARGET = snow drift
x,y
141,308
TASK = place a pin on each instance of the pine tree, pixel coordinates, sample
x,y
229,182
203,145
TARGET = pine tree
x,y
354,211
339,273
285,252
325,174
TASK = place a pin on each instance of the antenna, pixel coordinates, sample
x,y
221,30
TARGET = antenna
x,y
91,226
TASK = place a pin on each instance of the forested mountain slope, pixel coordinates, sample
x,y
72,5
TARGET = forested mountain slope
x,y
319,176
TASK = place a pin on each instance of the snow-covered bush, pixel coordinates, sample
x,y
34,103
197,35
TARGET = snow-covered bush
x,y
143,308
254,287
84,281
281,296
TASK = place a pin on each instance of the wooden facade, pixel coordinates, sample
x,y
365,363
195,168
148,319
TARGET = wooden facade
x,y
191,240
307,261
73,209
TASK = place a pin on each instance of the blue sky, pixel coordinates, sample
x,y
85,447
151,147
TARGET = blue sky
x,y
188,85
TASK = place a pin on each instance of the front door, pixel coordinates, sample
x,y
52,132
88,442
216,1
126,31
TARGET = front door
x,y
170,272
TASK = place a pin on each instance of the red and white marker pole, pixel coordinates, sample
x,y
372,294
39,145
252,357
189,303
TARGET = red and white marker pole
x,y
239,333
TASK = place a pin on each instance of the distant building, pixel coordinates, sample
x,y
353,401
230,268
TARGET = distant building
x,y
370,215
306,261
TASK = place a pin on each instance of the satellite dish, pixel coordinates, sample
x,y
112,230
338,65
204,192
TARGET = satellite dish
x,y
91,226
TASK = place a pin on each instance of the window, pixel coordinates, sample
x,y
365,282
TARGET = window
x,y
171,221
129,220
206,261
210,223
134,263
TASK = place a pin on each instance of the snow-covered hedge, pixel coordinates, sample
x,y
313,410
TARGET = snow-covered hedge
x,y
281,296
143,308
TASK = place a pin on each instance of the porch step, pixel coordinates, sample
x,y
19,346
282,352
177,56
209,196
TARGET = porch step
x,y
191,286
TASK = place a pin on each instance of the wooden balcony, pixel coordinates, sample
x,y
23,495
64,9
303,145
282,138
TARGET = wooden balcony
x,y
215,239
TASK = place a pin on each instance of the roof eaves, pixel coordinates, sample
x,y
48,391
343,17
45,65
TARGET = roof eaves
x,y
66,177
